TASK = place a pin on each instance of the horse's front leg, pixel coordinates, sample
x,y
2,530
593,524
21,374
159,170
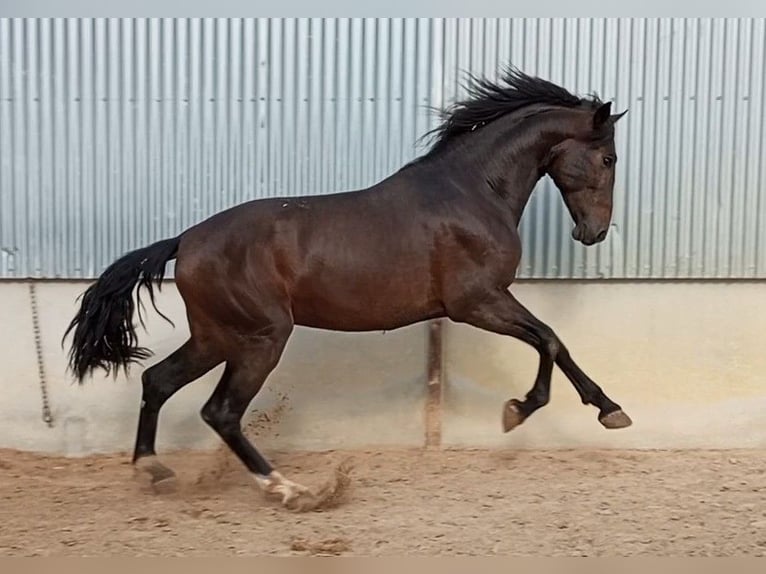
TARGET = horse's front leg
x,y
499,312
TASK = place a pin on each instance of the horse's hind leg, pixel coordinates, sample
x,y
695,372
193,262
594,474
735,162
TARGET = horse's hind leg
x,y
160,382
244,376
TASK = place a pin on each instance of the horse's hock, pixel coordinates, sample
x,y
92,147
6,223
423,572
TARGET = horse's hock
x,y
345,391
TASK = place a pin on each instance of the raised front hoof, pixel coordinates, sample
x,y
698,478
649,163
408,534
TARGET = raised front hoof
x,y
512,415
160,478
615,420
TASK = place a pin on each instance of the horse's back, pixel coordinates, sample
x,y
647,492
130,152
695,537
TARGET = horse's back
x,y
345,261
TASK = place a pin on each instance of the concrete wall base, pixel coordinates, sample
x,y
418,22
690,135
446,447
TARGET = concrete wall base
x,y
685,360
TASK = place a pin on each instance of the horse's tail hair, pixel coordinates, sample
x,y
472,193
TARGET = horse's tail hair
x,y
104,333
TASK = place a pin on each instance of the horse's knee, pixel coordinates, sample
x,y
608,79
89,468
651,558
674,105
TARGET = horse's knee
x,y
552,347
549,344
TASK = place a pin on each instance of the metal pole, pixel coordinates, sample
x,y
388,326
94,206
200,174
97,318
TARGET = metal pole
x,y
434,394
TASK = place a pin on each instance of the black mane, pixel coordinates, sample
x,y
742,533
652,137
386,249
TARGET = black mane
x,y
488,101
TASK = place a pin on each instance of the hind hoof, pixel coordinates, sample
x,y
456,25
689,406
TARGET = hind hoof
x,y
293,495
512,415
615,420
161,478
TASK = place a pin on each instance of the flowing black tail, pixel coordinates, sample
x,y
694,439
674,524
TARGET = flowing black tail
x,y
104,334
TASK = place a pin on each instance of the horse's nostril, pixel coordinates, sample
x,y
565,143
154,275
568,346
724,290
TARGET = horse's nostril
x,y
602,235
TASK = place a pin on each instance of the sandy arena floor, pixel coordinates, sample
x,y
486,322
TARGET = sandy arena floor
x,y
399,502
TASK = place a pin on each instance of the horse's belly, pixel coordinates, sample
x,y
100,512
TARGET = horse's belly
x,y
361,304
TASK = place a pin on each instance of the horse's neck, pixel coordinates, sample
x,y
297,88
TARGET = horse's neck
x,y
508,155
518,186
518,164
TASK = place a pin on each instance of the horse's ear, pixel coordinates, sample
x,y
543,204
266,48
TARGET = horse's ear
x,y
602,115
613,119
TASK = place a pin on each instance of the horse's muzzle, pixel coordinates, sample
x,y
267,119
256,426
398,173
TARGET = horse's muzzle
x,y
584,234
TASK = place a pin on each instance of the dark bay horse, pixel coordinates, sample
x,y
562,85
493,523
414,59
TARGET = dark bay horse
x,y
438,238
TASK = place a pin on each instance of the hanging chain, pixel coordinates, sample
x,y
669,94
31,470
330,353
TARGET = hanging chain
x,y
47,417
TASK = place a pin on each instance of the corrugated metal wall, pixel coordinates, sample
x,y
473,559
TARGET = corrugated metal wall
x,y
115,133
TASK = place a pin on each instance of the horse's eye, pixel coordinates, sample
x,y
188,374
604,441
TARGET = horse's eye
x,y
608,160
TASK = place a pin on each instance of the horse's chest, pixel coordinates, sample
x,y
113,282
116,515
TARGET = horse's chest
x,y
502,254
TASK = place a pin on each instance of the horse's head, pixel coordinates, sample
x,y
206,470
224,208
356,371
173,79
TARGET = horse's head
x,y
583,169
